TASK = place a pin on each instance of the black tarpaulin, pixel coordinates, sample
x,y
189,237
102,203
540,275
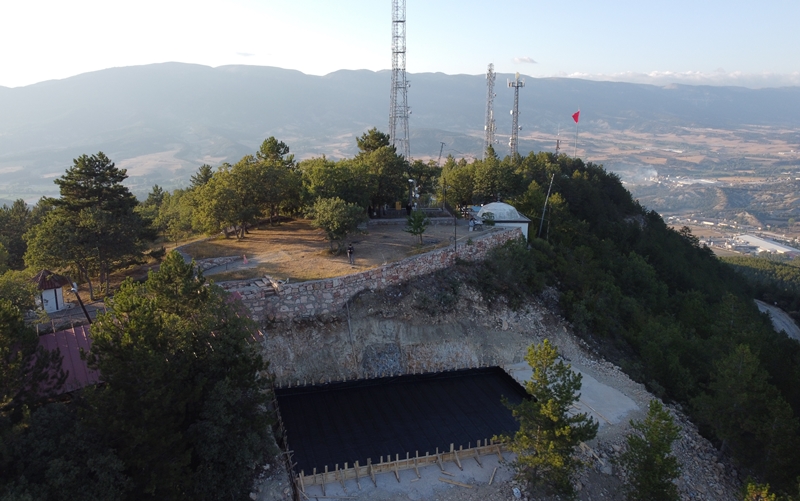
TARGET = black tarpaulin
x,y
351,421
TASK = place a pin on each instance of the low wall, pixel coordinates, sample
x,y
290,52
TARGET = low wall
x,y
447,221
321,297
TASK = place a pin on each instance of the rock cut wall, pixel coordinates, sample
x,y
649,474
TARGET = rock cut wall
x,y
327,296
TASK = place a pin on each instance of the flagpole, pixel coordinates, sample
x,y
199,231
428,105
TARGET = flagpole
x,y
575,152
576,116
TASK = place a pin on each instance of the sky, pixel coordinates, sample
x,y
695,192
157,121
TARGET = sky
x,y
714,42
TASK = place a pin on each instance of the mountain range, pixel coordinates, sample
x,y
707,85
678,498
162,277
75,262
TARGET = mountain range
x,y
162,121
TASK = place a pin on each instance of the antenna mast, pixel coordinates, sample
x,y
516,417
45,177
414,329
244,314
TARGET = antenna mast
x,y
512,142
398,106
490,95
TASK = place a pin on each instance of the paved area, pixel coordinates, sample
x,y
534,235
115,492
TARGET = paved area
x,y
780,320
607,405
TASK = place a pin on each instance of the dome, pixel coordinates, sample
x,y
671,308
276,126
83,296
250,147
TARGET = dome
x,y
502,212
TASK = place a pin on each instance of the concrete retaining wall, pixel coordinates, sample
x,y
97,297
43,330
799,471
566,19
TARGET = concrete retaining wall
x,y
321,297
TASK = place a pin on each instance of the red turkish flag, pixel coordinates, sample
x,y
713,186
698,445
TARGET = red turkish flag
x,y
576,116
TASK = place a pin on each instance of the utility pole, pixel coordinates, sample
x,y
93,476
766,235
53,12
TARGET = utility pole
x,y
490,95
398,105
512,143
545,206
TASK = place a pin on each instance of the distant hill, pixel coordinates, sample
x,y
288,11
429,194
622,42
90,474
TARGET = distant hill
x,y
162,121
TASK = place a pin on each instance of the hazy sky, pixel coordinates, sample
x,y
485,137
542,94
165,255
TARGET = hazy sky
x,y
731,42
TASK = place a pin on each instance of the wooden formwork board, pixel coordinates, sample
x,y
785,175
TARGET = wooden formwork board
x,y
356,472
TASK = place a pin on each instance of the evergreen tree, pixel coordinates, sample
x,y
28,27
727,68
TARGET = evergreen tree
x,y
28,372
549,431
416,224
97,223
184,397
203,176
648,461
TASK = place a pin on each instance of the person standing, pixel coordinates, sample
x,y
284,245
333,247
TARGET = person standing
x,y
350,254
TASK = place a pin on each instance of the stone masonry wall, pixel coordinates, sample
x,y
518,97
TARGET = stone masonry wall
x,y
321,297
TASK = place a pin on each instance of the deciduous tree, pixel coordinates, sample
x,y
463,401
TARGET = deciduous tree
x,y
337,218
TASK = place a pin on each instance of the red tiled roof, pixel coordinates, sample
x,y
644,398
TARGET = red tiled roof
x,y
70,342
46,279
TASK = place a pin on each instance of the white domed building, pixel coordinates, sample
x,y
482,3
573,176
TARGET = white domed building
x,y
505,216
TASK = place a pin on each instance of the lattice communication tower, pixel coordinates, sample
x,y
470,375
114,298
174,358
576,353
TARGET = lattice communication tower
x,y
512,142
490,95
398,106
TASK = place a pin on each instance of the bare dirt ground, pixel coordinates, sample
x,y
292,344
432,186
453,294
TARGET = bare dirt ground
x,y
296,250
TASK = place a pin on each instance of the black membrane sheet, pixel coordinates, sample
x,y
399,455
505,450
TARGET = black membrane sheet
x,y
351,421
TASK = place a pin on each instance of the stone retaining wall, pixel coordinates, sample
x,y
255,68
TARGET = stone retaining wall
x,y
321,297
398,221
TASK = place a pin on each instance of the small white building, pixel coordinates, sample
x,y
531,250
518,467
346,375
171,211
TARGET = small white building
x,y
506,216
49,285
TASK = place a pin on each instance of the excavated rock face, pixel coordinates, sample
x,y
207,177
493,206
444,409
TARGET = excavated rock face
x,y
430,325
404,329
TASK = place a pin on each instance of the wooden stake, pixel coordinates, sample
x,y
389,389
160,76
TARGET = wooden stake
x,y
358,481
499,454
396,471
371,471
416,469
458,462
341,478
478,459
323,479
492,479
448,481
302,484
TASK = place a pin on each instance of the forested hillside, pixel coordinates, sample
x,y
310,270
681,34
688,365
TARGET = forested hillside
x,y
667,311
645,296
774,280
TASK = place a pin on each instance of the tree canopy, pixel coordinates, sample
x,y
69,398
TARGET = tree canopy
x,y
93,224
548,430
185,392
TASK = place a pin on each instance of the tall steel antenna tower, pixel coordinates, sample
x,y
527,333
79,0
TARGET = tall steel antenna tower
x,y
398,106
516,85
490,95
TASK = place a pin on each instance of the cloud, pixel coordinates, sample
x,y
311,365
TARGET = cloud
x,y
717,77
526,59
245,54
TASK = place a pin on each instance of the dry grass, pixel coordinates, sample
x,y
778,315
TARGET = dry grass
x,y
297,251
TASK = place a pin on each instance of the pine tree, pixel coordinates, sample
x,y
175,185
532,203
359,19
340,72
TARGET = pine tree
x,y
648,461
548,432
185,393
